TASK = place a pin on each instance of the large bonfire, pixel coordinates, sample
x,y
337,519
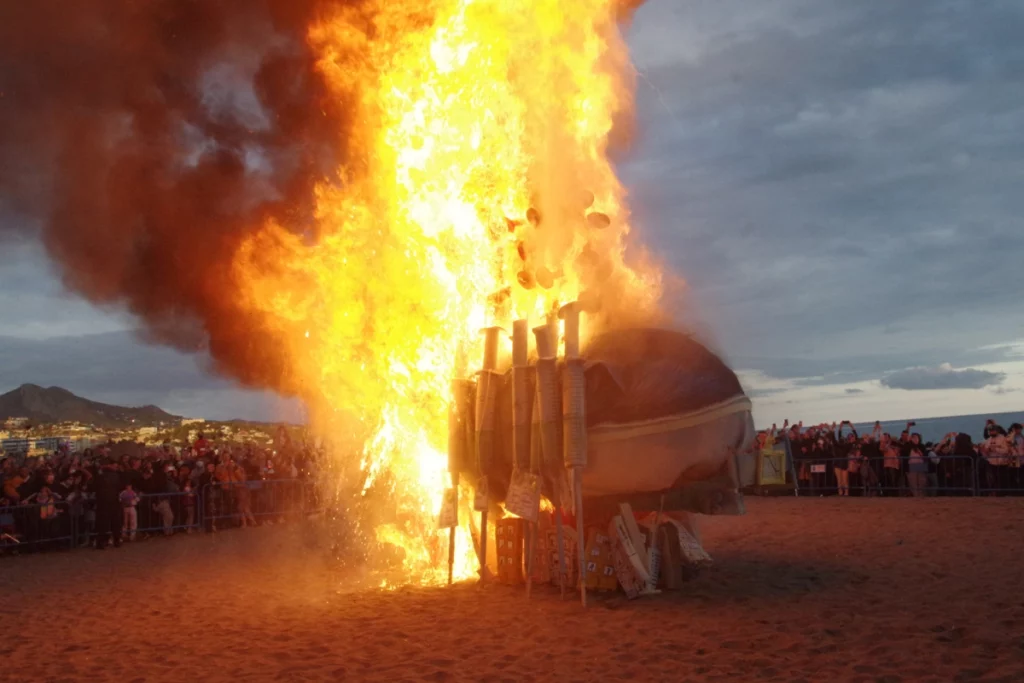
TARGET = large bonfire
x,y
481,191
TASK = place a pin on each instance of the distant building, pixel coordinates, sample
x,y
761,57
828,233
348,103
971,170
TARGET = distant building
x,y
16,422
15,445
147,431
192,420
46,445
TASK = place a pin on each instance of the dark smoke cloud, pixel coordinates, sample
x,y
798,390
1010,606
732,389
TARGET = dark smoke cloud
x,y
145,140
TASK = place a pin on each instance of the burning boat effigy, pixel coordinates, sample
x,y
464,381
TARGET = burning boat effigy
x,y
646,419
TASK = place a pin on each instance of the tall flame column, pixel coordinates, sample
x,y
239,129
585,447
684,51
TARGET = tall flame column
x,y
486,390
574,425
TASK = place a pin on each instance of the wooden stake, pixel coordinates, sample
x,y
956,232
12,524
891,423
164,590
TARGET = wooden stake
x,y
451,536
534,528
577,474
561,550
483,545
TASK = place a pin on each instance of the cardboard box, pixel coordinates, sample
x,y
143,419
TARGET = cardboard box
x,y
671,559
571,558
600,566
542,550
627,561
508,536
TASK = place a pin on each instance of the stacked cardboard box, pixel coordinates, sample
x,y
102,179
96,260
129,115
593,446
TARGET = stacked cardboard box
x,y
600,564
542,549
509,544
570,553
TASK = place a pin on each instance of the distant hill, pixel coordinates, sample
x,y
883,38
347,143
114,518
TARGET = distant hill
x,y
55,404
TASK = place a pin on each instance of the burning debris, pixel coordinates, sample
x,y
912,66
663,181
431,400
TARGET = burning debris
x,y
650,417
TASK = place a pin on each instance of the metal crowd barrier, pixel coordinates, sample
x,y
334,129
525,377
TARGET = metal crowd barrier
x,y
168,512
947,475
37,526
1004,477
72,524
237,502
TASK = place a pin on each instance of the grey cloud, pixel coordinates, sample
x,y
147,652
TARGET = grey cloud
x,y
848,368
116,367
942,377
762,393
821,166
33,303
852,390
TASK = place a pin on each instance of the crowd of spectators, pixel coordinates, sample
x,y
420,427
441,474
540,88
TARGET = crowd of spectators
x,y
836,459
125,491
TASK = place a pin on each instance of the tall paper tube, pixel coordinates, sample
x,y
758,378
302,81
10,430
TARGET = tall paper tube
x,y
574,425
520,341
545,342
548,427
491,338
570,314
574,413
487,386
522,394
523,382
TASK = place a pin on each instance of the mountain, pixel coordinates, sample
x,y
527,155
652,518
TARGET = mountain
x,y
60,405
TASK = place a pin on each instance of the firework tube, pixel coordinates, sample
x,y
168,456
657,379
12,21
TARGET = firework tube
x,y
549,405
522,395
469,434
487,386
522,410
574,425
458,447
535,460
654,552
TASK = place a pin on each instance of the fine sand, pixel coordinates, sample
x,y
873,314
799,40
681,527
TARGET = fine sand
x,y
810,589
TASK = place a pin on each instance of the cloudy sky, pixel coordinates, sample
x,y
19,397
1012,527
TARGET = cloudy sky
x,y
838,182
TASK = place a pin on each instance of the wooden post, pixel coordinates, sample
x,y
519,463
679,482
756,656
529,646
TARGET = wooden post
x,y
486,390
577,478
458,450
549,404
451,539
574,425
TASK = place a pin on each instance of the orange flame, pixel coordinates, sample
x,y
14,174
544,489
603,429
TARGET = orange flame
x,y
479,190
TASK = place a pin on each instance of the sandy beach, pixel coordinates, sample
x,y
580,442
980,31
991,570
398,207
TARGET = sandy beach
x,y
810,589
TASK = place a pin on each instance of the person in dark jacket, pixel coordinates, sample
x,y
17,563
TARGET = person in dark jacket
x,y
108,484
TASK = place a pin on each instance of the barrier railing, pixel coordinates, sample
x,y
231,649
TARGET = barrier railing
x,y
73,523
243,503
168,512
943,475
37,526
1000,476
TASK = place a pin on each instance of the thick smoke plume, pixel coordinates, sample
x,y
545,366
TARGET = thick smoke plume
x,y
146,140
